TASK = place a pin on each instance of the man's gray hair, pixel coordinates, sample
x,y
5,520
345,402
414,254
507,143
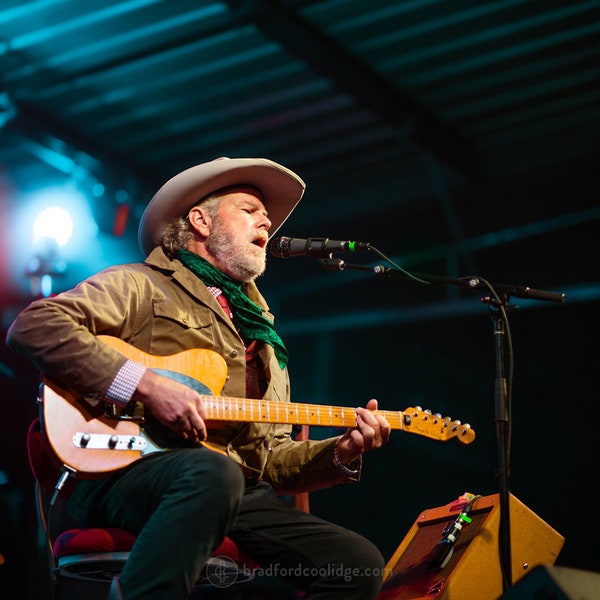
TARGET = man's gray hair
x,y
179,232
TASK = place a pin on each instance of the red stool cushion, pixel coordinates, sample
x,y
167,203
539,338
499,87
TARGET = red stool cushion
x,y
231,550
112,539
94,539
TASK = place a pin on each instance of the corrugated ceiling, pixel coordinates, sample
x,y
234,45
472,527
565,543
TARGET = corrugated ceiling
x,y
422,125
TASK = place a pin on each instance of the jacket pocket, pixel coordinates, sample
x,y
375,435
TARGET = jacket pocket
x,y
174,328
198,319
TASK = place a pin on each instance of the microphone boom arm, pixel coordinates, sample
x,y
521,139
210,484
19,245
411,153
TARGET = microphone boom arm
x,y
473,282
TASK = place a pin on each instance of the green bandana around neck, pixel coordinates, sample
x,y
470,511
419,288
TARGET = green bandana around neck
x,y
247,316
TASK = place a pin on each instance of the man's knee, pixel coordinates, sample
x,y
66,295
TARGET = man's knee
x,y
218,475
362,569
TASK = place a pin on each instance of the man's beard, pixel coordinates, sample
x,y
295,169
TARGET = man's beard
x,y
232,253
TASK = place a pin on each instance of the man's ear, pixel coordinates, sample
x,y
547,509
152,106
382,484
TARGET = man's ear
x,y
200,220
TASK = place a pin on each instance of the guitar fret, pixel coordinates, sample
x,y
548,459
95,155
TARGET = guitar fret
x,y
290,411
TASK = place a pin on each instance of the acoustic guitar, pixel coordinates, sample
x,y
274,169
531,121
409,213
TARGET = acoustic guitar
x,y
96,440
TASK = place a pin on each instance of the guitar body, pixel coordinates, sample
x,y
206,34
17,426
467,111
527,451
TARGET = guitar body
x,y
65,414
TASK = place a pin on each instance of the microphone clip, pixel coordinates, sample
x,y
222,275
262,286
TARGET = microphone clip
x,y
333,264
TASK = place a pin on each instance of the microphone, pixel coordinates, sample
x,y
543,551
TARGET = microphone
x,y
287,247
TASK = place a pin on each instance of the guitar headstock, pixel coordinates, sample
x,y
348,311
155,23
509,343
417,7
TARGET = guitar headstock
x,y
424,422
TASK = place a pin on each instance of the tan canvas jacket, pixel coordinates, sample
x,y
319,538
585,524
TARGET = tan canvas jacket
x,y
161,308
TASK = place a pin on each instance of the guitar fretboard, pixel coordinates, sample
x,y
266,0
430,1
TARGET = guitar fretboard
x,y
220,408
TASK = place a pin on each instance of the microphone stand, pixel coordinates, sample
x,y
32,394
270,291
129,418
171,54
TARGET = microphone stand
x,y
498,303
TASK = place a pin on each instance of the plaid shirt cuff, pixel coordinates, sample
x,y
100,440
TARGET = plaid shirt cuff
x,y
125,383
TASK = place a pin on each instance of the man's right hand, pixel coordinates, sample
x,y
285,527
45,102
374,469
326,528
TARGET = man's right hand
x,y
174,404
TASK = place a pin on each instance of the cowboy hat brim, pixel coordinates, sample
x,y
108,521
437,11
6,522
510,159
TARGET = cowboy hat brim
x,y
281,188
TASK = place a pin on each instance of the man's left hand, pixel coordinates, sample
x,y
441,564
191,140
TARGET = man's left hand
x,y
372,430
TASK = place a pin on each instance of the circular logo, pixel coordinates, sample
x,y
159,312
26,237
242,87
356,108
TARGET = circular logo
x,y
221,571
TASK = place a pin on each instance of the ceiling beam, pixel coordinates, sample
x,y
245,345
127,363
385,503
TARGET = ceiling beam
x,y
47,138
350,74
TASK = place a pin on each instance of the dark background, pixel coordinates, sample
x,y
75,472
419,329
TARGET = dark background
x,y
458,138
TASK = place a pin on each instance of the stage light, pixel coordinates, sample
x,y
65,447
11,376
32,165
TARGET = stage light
x,y
55,223
52,232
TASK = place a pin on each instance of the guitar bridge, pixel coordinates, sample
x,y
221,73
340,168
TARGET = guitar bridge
x,y
105,441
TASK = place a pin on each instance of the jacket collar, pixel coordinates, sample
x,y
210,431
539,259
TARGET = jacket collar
x,y
158,259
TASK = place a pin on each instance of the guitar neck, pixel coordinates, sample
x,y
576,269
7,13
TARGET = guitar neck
x,y
260,411
413,420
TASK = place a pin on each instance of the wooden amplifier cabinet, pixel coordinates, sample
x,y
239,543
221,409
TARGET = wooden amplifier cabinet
x,y
473,571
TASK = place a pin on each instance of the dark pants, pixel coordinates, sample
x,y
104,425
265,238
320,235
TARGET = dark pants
x,y
182,503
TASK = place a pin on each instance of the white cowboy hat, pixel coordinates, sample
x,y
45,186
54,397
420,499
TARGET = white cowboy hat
x,y
281,189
